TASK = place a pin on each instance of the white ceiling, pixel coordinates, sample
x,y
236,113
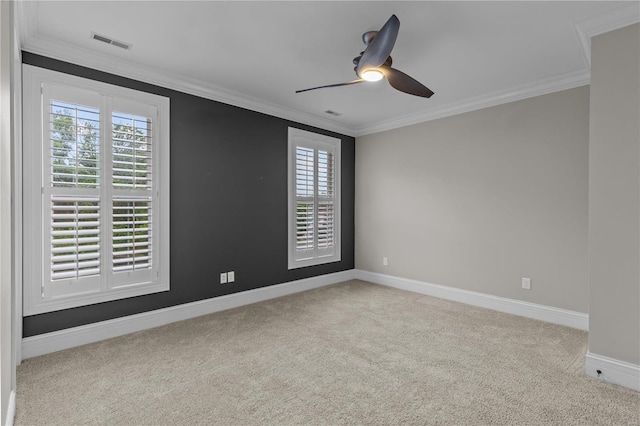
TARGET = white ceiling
x,y
257,54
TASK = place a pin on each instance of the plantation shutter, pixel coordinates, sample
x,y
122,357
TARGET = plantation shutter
x,y
305,202
325,203
132,206
131,214
131,234
75,237
98,229
314,225
73,222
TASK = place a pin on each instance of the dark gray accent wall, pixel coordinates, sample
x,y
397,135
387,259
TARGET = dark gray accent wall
x,y
228,204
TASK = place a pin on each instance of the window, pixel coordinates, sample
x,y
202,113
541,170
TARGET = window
x,y
96,185
314,199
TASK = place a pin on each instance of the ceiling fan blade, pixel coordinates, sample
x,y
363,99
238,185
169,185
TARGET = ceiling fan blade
x,y
332,85
381,46
402,82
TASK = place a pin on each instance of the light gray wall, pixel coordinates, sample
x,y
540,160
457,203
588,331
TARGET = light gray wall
x,y
479,200
614,196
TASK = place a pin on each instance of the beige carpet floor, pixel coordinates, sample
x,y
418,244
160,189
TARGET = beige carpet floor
x,y
351,353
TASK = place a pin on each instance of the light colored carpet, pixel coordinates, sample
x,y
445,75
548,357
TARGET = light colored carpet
x,y
351,353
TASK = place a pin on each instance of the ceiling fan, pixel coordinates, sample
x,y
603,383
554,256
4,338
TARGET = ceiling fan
x,y
375,63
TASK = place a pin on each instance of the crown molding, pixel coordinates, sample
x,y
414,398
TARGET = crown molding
x,y
26,14
68,53
612,19
529,90
618,17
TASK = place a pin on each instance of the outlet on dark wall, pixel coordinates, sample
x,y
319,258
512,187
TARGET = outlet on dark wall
x,y
228,204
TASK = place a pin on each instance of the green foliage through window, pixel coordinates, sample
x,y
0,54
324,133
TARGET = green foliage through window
x,y
75,145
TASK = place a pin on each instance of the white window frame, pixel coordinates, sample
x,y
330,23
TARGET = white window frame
x,y
38,296
302,138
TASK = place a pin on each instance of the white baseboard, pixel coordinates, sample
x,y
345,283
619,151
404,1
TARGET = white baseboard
x,y
76,336
613,371
530,310
11,409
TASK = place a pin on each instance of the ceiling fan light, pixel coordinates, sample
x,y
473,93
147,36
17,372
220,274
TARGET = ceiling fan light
x,y
372,75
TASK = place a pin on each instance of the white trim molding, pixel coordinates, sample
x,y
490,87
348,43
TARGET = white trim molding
x,y
72,337
613,371
550,314
537,88
83,57
11,409
31,41
64,52
82,335
26,17
16,147
613,19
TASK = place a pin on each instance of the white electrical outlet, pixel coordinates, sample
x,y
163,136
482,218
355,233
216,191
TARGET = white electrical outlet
x,y
231,276
526,283
223,278
385,261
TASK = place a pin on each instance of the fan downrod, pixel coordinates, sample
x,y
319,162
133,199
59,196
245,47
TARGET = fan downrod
x,y
368,37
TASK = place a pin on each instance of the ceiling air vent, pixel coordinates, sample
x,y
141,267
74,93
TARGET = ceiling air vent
x,y
104,39
335,114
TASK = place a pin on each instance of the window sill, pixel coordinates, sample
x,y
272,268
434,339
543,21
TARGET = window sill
x,y
58,304
313,262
